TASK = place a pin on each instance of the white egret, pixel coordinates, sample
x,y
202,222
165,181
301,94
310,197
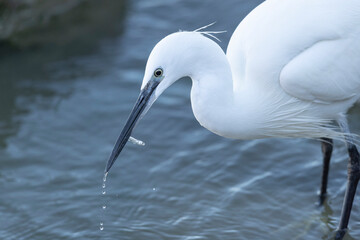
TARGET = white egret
x,y
290,70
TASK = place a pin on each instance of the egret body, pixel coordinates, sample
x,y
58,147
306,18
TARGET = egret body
x,y
291,68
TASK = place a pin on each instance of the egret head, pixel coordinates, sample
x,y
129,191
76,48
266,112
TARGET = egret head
x,y
172,58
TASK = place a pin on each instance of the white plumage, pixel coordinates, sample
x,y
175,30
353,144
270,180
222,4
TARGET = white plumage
x,y
291,68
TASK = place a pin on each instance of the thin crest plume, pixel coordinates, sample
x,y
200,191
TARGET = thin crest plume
x,y
209,33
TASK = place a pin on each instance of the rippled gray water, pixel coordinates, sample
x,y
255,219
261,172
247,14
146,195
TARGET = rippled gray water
x,y
63,107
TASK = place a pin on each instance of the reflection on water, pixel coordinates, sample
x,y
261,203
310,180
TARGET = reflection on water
x,y
62,107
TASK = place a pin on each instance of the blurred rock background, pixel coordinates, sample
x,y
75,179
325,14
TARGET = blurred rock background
x,y
25,23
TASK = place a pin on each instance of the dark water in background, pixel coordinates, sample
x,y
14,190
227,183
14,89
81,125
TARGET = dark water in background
x,y
63,107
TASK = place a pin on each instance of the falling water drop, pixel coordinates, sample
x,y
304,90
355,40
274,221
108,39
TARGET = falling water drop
x,y
104,205
104,183
101,226
105,176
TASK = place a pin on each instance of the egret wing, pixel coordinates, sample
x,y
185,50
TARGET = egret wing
x,y
327,71
312,46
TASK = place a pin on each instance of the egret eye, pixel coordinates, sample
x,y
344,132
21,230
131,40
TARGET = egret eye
x,y
158,72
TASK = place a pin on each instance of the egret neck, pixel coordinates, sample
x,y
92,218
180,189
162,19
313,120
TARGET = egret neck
x,y
212,95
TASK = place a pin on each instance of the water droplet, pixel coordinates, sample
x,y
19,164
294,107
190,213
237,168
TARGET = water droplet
x,y
101,226
104,204
105,175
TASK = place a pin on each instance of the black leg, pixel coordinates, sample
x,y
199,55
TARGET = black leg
x,y
326,147
353,180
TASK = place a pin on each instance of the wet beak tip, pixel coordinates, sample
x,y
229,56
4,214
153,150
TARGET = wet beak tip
x,y
139,107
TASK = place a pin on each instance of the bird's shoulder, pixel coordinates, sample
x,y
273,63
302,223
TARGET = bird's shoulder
x,y
311,47
326,72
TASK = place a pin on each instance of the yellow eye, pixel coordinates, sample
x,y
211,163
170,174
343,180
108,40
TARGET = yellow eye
x,y
158,72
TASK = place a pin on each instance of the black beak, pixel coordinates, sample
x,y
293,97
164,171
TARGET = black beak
x,y
135,114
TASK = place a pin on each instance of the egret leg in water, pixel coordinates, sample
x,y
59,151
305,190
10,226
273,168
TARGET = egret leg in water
x,y
283,75
326,147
